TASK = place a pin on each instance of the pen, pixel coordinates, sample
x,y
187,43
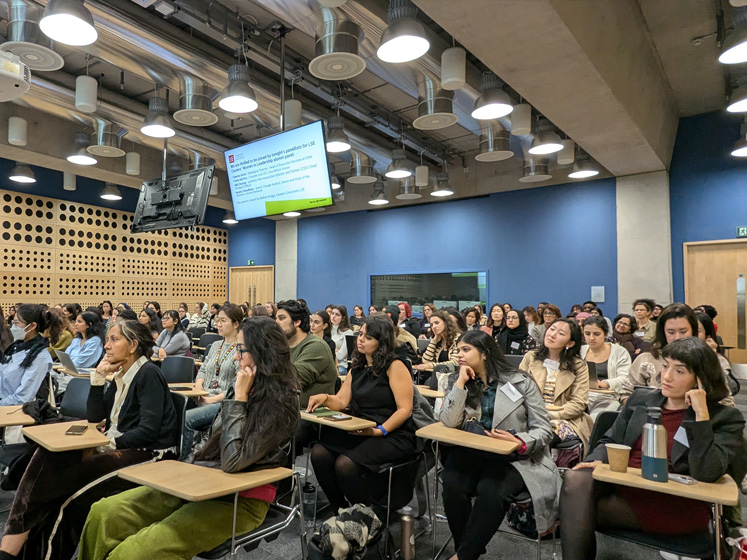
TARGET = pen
x,y
16,410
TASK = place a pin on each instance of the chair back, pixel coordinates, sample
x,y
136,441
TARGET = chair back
x,y
423,345
604,422
75,400
178,369
180,404
208,338
514,360
196,332
207,348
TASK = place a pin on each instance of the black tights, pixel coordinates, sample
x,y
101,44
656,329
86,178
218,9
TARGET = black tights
x,y
586,504
343,481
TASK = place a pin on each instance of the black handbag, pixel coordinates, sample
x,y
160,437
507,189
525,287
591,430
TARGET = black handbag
x,y
474,427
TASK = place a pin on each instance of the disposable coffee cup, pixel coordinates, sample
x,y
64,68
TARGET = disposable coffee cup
x,y
618,456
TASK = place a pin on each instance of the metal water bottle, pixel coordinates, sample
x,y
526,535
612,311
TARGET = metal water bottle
x,y
407,545
654,463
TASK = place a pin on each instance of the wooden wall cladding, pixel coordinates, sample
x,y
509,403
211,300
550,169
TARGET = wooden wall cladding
x,y
54,251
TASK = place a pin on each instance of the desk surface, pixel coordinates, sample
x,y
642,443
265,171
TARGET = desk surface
x,y
196,483
430,393
603,391
192,392
724,491
347,425
53,437
439,432
62,369
13,416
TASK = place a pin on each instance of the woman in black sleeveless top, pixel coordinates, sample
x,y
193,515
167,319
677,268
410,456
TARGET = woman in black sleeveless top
x,y
378,388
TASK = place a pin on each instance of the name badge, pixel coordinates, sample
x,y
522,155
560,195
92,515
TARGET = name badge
x,y
551,365
515,345
511,392
681,436
640,333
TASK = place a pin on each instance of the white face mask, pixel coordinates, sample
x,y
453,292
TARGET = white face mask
x,y
19,333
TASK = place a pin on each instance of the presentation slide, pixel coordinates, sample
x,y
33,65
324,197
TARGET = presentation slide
x,y
280,173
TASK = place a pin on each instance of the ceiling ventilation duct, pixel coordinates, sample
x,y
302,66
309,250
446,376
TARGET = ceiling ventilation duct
x,y
408,190
107,140
361,168
494,143
535,170
435,108
195,102
336,52
197,160
27,42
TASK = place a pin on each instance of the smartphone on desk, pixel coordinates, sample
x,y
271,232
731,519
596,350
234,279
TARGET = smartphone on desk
x,y
682,479
76,430
338,416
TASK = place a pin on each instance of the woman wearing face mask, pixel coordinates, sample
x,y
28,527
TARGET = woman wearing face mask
x,y
86,349
515,338
172,341
563,379
496,321
442,348
340,329
479,486
691,387
216,376
321,326
25,363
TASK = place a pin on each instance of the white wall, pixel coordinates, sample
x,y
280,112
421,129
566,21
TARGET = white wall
x,y
286,259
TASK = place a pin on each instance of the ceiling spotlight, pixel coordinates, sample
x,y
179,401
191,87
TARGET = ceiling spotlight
x,y
378,196
337,140
442,187
335,182
398,169
229,218
238,96
740,148
738,97
80,155
404,38
583,168
157,123
493,102
68,22
408,190
291,214
734,48
22,173
110,192
546,140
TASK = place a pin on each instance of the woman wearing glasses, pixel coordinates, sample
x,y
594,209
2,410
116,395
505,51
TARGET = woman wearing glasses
x,y
550,313
216,375
515,338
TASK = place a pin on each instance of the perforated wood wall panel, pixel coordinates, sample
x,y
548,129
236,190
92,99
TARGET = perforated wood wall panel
x,y
54,251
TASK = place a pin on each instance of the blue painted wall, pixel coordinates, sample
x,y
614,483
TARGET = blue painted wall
x,y
548,244
708,187
251,239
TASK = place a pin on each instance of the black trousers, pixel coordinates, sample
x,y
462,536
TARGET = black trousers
x,y
491,482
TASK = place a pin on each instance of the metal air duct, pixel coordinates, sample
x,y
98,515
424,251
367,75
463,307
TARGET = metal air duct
x,y
535,170
336,50
361,168
107,140
26,40
494,143
435,108
195,102
196,160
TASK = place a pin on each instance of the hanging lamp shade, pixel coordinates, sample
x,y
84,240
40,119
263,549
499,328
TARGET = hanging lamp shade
x,y
740,148
361,168
292,214
80,155
157,123
337,140
22,173
132,163
584,168
292,114
734,48
421,176
567,155
521,119
442,188
398,169
17,131
404,39
230,218
69,181
86,90
493,102
378,195
68,22
453,68
546,140
738,97
111,192
238,96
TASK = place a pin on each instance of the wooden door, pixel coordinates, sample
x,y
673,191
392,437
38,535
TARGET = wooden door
x,y
255,284
712,269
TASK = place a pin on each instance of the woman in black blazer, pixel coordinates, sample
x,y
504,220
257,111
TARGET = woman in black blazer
x,y
140,423
704,440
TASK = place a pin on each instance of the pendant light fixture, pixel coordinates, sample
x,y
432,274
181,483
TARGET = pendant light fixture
x,y
378,196
69,181
494,145
734,48
398,169
17,131
738,97
86,89
546,140
238,96
567,155
111,192
337,140
333,180
404,38
583,168
535,170
453,68
421,174
230,218
132,163
442,188
22,173
291,214
68,22
292,114
157,123
493,102
361,168
80,155
521,119
740,148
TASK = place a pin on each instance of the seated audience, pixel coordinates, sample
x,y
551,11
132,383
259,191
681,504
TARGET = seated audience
x,y
658,308
87,347
140,425
149,318
379,388
515,338
406,320
315,364
611,361
106,312
272,309
12,315
507,307
457,320
155,306
622,333
127,315
214,310
260,311
216,376
597,312
642,309
184,315
72,310
549,314
480,486
707,333
358,317
575,309
425,322
496,321
472,319
255,431
172,341
563,379
406,345
321,327
201,316
372,309
531,317
692,386
442,348
25,363
340,329
60,333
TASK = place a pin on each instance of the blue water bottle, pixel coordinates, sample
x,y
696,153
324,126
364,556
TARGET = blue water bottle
x,y
654,463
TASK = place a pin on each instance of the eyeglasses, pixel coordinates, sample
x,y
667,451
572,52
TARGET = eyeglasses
x,y
509,318
548,314
221,320
241,349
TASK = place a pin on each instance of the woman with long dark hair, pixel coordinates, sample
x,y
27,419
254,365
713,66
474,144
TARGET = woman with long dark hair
x,y
106,312
563,379
340,329
254,433
321,326
442,347
358,318
496,321
172,341
505,404
150,319
86,348
378,388
710,445
59,332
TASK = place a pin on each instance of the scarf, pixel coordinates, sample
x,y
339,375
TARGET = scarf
x,y
33,346
508,336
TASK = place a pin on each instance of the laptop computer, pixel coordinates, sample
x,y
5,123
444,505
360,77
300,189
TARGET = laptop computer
x,y
350,343
69,367
593,377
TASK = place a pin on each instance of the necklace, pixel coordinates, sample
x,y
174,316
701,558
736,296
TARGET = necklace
x,y
218,360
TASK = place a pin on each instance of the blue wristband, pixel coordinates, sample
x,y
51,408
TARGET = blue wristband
x,y
383,431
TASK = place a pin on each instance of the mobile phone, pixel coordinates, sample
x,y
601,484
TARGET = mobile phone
x,y
682,479
76,430
340,417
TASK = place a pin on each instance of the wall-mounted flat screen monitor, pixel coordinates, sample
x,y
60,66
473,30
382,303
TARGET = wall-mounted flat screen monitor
x,y
180,201
281,173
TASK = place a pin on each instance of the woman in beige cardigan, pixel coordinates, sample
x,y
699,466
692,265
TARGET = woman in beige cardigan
x,y
563,379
